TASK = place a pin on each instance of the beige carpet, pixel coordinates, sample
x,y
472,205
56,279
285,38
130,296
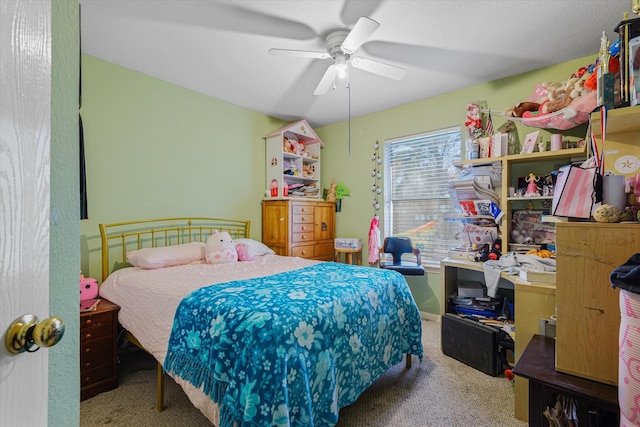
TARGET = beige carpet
x,y
438,392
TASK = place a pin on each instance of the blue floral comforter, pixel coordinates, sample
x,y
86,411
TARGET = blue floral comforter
x,y
293,348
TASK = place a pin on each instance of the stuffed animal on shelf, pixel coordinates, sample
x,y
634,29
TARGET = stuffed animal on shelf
x,y
287,145
220,249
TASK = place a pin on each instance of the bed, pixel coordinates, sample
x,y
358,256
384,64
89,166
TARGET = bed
x,y
271,341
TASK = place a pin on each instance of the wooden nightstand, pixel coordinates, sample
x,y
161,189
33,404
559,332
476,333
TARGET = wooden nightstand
x,y
99,349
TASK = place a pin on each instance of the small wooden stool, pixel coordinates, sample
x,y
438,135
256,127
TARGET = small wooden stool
x,y
348,252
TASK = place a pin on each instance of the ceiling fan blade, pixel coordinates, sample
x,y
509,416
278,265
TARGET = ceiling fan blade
x,y
377,67
299,53
359,34
326,81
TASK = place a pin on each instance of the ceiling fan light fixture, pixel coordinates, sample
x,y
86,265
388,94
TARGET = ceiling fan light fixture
x,y
341,66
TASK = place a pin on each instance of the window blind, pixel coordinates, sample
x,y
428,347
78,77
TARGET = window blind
x,y
417,172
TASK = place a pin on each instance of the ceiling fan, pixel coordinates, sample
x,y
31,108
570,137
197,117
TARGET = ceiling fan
x,y
341,46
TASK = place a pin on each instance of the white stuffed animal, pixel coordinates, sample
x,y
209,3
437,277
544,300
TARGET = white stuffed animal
x,y
220,249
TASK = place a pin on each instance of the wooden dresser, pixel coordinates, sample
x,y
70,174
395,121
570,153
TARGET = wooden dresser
x,y
302,228
99,349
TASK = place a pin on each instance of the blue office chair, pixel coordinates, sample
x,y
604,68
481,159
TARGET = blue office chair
x,y
397,247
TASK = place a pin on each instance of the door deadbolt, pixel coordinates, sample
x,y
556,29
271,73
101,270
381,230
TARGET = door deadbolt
x,y
27,331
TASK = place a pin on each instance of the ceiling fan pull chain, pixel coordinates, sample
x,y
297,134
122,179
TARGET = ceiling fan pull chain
x,y
349,122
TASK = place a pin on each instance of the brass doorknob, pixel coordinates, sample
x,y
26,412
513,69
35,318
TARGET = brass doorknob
x,y
27,331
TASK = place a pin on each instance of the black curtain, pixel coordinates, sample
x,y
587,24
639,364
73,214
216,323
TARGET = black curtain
x,y
84,214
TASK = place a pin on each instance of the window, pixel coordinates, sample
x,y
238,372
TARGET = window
x,y
417,171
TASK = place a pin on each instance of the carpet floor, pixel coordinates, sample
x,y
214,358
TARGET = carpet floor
x,y
440,391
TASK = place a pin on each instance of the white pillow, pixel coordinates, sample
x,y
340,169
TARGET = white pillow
x,y
255,248
167,256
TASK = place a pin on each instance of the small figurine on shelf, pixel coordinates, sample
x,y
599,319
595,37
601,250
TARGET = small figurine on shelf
x,y
331,195
532,188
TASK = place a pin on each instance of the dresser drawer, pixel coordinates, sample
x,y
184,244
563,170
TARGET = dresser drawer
x,y
324,250
302,237
302,209
303,219
305,251
302,228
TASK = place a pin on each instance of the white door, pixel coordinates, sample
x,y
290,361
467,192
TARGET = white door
x,y
25,117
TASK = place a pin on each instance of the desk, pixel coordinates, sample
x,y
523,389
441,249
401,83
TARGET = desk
x,y
348,254
537,364
533,300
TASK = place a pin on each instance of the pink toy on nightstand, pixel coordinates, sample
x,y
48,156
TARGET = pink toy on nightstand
x,y
88,288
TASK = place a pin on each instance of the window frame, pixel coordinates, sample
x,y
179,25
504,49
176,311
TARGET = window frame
x,y
428,142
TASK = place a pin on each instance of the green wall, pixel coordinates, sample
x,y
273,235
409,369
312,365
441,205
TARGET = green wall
x,y
439,112
64,371
154,149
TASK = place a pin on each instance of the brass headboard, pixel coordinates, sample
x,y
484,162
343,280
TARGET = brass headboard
x,y
122,237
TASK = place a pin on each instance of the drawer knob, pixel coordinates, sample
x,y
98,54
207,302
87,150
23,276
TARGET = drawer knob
x,y
88,336
27,331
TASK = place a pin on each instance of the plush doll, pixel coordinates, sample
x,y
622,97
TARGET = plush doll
x,y
519,109
220,249
244,252
287,145
298,147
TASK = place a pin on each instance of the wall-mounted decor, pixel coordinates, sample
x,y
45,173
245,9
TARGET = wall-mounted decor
x,y
377,176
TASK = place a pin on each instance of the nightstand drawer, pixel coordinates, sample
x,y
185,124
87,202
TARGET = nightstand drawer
x,y
93,319
90,376
95,360
98,349
96,346
96,332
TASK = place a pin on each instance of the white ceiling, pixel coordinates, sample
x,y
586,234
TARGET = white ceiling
x,y
220,47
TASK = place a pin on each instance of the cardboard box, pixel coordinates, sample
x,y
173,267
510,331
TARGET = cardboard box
x,y
471,289
347,243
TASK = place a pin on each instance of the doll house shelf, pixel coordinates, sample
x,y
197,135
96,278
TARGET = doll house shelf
x,y
293,162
